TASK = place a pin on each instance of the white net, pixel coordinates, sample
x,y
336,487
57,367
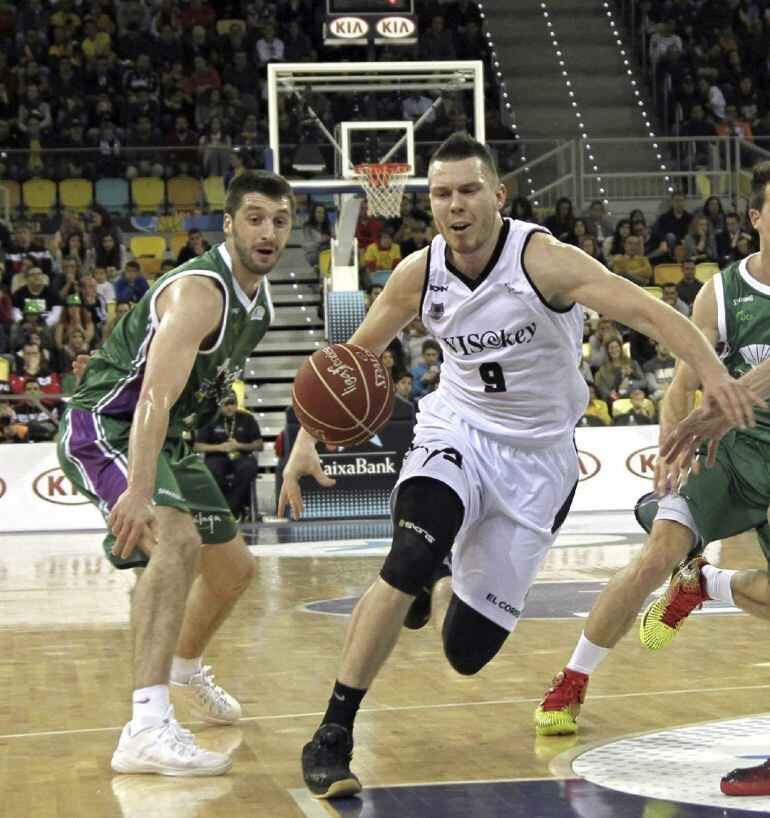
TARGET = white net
x,y
383,183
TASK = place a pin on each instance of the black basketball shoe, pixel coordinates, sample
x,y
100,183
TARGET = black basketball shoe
x,y
418,614
326,763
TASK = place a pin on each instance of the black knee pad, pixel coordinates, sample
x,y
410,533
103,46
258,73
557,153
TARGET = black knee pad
x,y
426,518
470,639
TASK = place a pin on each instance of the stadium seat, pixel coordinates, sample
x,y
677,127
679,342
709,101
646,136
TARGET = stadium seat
x,y
184,193
214,193
153,246
178,241
325,262
13,190
112,194
664,273
705,270
76,194
148,194
657,292
149,265
379,278
39,196
223,26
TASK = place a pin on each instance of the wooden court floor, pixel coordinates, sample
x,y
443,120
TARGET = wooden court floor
x,y
65,682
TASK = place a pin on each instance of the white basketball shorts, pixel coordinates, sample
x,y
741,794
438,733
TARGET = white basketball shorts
x,y
515,500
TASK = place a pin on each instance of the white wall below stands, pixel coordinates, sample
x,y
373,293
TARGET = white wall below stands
x,y
616,467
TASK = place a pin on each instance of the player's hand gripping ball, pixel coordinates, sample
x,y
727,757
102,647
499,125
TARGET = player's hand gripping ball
x,y
343,394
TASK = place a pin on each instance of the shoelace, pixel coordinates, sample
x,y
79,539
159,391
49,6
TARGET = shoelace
x,y
563,690
330,750
207,686
681,606
181,740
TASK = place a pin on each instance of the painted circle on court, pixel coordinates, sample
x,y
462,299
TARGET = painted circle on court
x,y
642,462
589,465
54,486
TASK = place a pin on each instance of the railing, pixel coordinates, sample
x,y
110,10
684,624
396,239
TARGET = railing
x,y
547,177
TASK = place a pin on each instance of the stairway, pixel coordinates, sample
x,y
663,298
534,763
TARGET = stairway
x,y
533,76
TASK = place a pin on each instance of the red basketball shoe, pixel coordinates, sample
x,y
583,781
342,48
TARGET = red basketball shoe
x,y
747,781
557,714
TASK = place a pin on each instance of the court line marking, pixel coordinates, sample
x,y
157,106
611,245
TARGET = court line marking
x,y
403,708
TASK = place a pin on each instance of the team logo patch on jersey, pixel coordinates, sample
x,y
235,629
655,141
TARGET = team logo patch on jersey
x,y
436,311
438,288
754,354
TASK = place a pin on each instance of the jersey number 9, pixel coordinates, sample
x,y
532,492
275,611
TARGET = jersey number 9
x,y
493,377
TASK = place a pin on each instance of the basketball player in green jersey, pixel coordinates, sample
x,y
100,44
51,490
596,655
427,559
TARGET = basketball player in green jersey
x,y
164,370
732,496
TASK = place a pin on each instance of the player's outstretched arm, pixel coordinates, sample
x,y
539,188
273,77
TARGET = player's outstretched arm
x,y
190,310
564,274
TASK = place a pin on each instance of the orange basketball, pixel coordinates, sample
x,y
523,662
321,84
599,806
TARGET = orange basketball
x,y
343,394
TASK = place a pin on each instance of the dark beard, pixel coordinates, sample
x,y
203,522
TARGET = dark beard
x,y
244,258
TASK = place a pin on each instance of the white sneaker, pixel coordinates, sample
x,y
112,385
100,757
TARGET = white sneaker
x,y
165,748
206,700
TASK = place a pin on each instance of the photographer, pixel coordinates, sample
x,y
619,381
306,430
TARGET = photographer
x,y
11,431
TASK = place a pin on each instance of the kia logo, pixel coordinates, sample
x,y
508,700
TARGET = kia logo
x,y
348,28
588,465
395,28
54,486
642,462
2,487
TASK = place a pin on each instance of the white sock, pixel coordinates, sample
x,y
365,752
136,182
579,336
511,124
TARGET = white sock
x,y
150,704
587,656
182,670
718,583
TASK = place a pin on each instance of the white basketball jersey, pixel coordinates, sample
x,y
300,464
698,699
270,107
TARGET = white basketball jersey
x,y
510,360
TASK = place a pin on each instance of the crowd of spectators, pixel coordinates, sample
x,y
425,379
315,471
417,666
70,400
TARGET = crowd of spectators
x,y
710,67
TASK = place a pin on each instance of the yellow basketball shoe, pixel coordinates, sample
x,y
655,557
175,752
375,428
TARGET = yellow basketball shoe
x,y
557,714
664,616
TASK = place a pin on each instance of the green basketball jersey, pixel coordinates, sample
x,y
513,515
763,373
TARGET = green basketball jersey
x,y
743,319
113,378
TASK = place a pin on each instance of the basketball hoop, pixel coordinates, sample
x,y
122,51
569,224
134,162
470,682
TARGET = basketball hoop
x,y
383,183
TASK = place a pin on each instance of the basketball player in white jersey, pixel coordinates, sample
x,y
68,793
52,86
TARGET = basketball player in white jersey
x,y
492,467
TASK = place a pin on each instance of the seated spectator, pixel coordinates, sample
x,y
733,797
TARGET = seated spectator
x,y
74,316
614,245
215,148
95,302
712,209
108,151
196,246
672,226
589,245
748,101
727,240
618,376
733,125
403,381
104,286
40,418
638,415
316,234
237,160
383,254
227,444
32,364
35,289
144,155
659,372
744,247
411,339
562,221
76,345
697,150
203,79
418,240
32,325
596,408
664,37
579,229
182,144
70,226
166,266
67,282
74,246
671,297
25,245
632,264
403,224
689,286
425,375
700,244
521,209
121,309
131,285
437,43
269,47
368,228
108,254
11,430
605,332
654,248
598,223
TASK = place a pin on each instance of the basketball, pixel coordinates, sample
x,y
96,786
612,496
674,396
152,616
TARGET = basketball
x,y
343,394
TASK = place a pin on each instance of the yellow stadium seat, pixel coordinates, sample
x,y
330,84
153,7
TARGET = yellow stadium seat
x,y
178,241
214,192
39,196
586,351
657,292
705,270
184,193
623,405
76,194
154,246
665,273
149,265
148,194
325,262
5,368
223,26
13,191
